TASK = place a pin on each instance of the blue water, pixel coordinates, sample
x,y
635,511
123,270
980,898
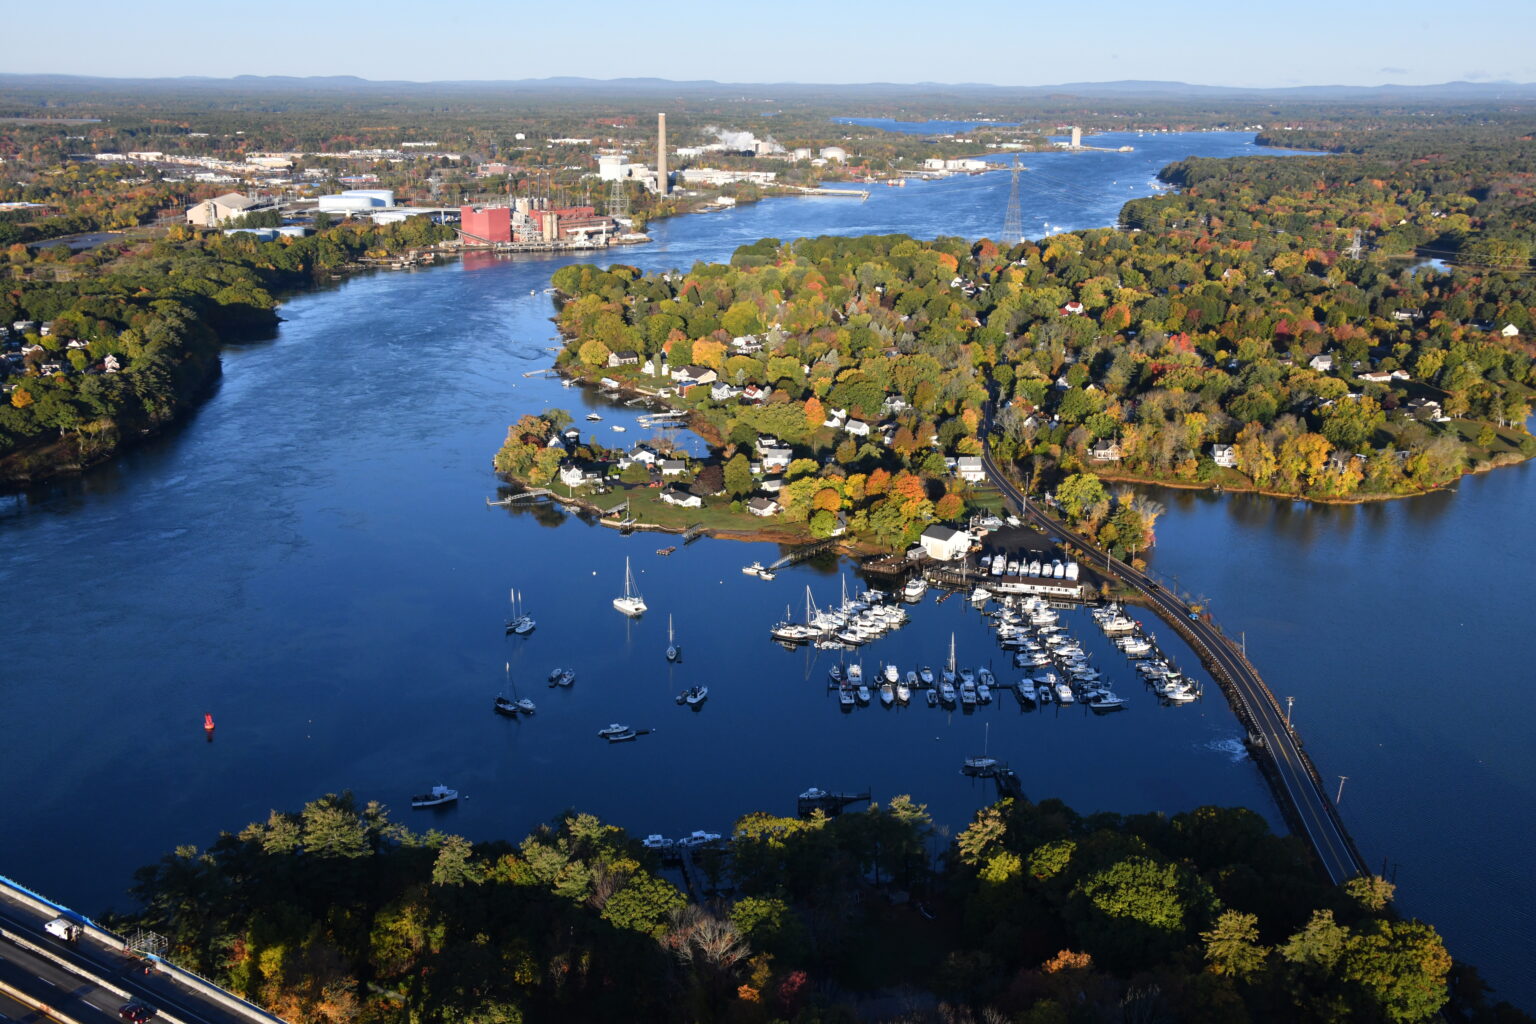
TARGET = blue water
x,y
923,127
310,559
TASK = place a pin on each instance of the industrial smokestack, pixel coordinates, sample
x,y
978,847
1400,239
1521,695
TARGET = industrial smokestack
x,y
662,184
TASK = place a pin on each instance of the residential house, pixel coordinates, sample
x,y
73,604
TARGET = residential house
x,y
626,358
681,498
756,393
1073,308
644,454
575,474
858,428
1321,363
695,374
944,543
1105,451
1510,331
763,507
720,391
1224,455
968,468
749,344
109,364
775,460
673,467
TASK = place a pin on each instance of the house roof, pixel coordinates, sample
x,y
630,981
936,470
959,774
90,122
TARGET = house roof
x,y
942,534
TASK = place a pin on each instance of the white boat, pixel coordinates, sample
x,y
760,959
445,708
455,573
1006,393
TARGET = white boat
x,y
903,692
593,417
621,737
1064,694
658,842
981,595
613,729
845,696
673,650
933,698
815,793
754,569
1107,701
892,674
521,623
835,673
983,693
1043,693
696,695
631,603
514,704
855,674
968,693
946,691
911,679
697,838
437,797
862,692
915,589
887,694
984,762
926,675
617,428
562,677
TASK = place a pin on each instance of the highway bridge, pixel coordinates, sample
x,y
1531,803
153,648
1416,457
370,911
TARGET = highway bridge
x,y
89,978
1292,777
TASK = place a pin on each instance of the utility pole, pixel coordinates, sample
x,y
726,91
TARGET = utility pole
x,y
1288,702
1342,779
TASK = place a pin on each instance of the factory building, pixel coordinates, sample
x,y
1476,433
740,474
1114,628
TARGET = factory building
x,y
485,225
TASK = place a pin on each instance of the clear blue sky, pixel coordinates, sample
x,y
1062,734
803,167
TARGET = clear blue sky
x,y
1003,42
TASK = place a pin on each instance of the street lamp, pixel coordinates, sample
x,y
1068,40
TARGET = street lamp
x,y
1342,779
1288,702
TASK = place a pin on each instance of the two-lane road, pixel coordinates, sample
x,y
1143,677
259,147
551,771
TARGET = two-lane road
x,y
1293,783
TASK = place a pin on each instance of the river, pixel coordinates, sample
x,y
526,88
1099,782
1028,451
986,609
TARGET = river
x,y
309,558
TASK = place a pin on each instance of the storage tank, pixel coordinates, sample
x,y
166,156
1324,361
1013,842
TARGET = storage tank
x,y
375,196
345,204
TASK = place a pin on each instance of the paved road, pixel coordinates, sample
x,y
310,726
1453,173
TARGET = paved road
x,y
1296,790
37,975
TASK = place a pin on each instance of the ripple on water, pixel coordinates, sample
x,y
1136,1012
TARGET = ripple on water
x,y
1232,747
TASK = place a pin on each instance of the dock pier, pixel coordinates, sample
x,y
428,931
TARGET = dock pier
x,y
830,804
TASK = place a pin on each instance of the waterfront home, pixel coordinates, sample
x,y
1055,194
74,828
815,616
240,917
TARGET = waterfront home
x,y
576,474
673,467
763,507
775,460
695,374
945,543
643,454
1224,455
968,468
1427,408
1105,451
681,498
625,358
720,391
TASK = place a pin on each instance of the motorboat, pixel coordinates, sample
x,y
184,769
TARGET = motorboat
x,y
845,696
697,838
983,693
618,428
696,695
933,698
767,574
946,691
903,692
815,793
438,796
887,694
562,677
621,737
754,569
915,588
630,603
1043,693
862,692
1107,701
613,730
658,842
892,674
926,675
593,417
1064,694
981,595
855,674
968,693
835,673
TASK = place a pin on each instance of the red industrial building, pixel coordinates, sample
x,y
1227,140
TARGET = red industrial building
x,y
483,225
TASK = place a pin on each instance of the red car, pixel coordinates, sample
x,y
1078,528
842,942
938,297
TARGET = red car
x,y
138,1013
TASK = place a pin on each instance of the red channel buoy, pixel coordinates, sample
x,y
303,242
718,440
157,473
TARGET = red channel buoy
x,y
208,722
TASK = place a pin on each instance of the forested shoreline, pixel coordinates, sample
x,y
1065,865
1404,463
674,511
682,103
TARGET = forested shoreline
x,y
114,344
1033,913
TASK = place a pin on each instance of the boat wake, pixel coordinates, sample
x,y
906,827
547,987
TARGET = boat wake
x,y
1233,748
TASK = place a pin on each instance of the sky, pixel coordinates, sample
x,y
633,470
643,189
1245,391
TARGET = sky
x,y
999,42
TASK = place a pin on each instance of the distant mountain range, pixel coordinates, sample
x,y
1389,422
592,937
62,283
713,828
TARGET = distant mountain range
x,y
1444,92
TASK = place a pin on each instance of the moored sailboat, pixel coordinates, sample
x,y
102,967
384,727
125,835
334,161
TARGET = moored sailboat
x,y
630,603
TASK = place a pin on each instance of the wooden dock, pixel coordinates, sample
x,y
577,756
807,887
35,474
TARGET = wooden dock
x,y
830,804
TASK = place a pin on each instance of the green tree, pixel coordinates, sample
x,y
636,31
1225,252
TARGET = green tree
x,y
1232,945
738,476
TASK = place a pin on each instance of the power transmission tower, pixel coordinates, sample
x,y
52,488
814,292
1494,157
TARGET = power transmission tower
x,y
618,199
1013,219
1354,250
